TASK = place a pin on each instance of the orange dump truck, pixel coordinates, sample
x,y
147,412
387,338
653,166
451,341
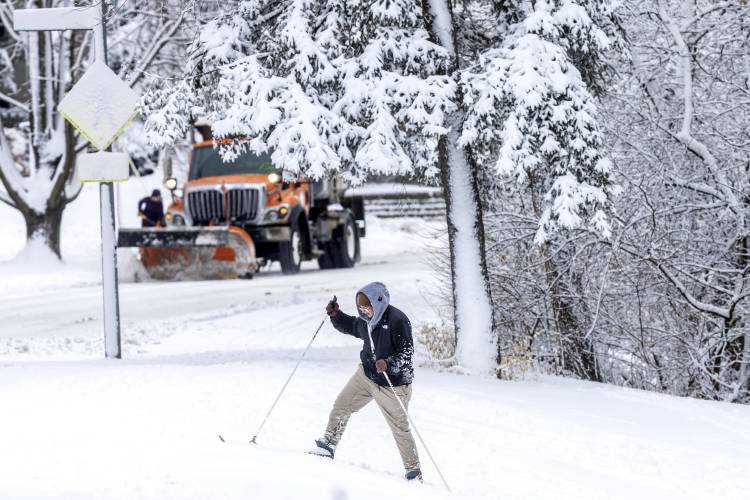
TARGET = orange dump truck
x,y
231,218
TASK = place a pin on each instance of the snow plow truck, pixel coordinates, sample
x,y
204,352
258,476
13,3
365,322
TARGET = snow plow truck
x,y
231,218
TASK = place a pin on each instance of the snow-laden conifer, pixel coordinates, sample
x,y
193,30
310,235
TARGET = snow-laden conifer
x,y
531,116
325,86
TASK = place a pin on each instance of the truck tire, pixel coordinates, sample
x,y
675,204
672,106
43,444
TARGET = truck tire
x,y
290,252
345,249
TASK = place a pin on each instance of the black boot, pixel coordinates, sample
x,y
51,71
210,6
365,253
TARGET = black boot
x,y
323,448
411,475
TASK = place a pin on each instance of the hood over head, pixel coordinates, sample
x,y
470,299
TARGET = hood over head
x,y
379,298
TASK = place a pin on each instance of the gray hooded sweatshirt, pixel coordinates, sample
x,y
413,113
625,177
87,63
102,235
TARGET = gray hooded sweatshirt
x,y
387,334
378,295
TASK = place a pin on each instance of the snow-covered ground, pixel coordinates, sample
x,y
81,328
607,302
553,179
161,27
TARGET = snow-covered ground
x,y
202,358
25,269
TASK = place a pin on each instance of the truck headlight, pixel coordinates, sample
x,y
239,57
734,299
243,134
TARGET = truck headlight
x,y
174,219
276,213
171,183
274,178
272,216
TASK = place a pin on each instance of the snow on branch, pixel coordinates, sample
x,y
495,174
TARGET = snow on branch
x,y
298,84
23,107
528,98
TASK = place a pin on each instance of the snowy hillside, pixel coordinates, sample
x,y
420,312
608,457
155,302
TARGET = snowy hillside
x,y
146,427
204,358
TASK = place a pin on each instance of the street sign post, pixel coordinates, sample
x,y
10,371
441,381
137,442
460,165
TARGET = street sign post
x,y
100,106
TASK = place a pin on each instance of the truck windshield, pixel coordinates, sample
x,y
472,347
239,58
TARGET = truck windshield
x,y
206,162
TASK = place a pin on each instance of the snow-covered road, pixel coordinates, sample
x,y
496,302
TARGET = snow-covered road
x,y
202,358
37,313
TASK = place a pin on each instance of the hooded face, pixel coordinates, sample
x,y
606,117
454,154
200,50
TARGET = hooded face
x,y
373,299
364,306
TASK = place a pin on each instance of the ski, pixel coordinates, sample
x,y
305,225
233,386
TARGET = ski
x,y
317,454
230,441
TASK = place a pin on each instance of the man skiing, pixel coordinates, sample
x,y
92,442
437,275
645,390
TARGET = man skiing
x,y
387,351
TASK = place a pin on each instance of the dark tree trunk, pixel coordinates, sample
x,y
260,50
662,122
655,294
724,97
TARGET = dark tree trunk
x,y
45,226
444,167
578,356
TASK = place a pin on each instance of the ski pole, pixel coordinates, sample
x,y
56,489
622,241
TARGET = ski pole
x,y
408,417
416,431
290,378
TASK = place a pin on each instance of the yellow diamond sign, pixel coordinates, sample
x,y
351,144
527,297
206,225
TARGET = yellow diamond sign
x,y
100,105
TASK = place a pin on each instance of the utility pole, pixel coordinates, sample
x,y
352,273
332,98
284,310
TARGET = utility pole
x,y
110,285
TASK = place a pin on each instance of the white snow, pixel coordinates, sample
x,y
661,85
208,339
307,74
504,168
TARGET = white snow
x,y
146,427
64,18
80,242
100,105
202,358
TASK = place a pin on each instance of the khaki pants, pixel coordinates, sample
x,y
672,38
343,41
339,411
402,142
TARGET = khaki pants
x,y
359,391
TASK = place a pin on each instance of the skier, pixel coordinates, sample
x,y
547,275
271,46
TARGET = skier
x,y
386,329
151,210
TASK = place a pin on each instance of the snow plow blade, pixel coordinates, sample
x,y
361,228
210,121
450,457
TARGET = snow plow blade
x,y
185,253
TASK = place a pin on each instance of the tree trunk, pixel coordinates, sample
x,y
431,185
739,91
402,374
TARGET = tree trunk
x,y
42,221
578,356
473,317
45,227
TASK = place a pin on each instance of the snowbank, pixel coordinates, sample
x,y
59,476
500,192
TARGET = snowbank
x,y
36,267
23,268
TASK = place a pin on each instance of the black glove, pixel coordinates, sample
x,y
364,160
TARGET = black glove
x,y
332,309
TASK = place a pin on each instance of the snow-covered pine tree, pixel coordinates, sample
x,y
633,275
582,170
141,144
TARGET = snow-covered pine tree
x,y
526,112
376,87
530,114
349,87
